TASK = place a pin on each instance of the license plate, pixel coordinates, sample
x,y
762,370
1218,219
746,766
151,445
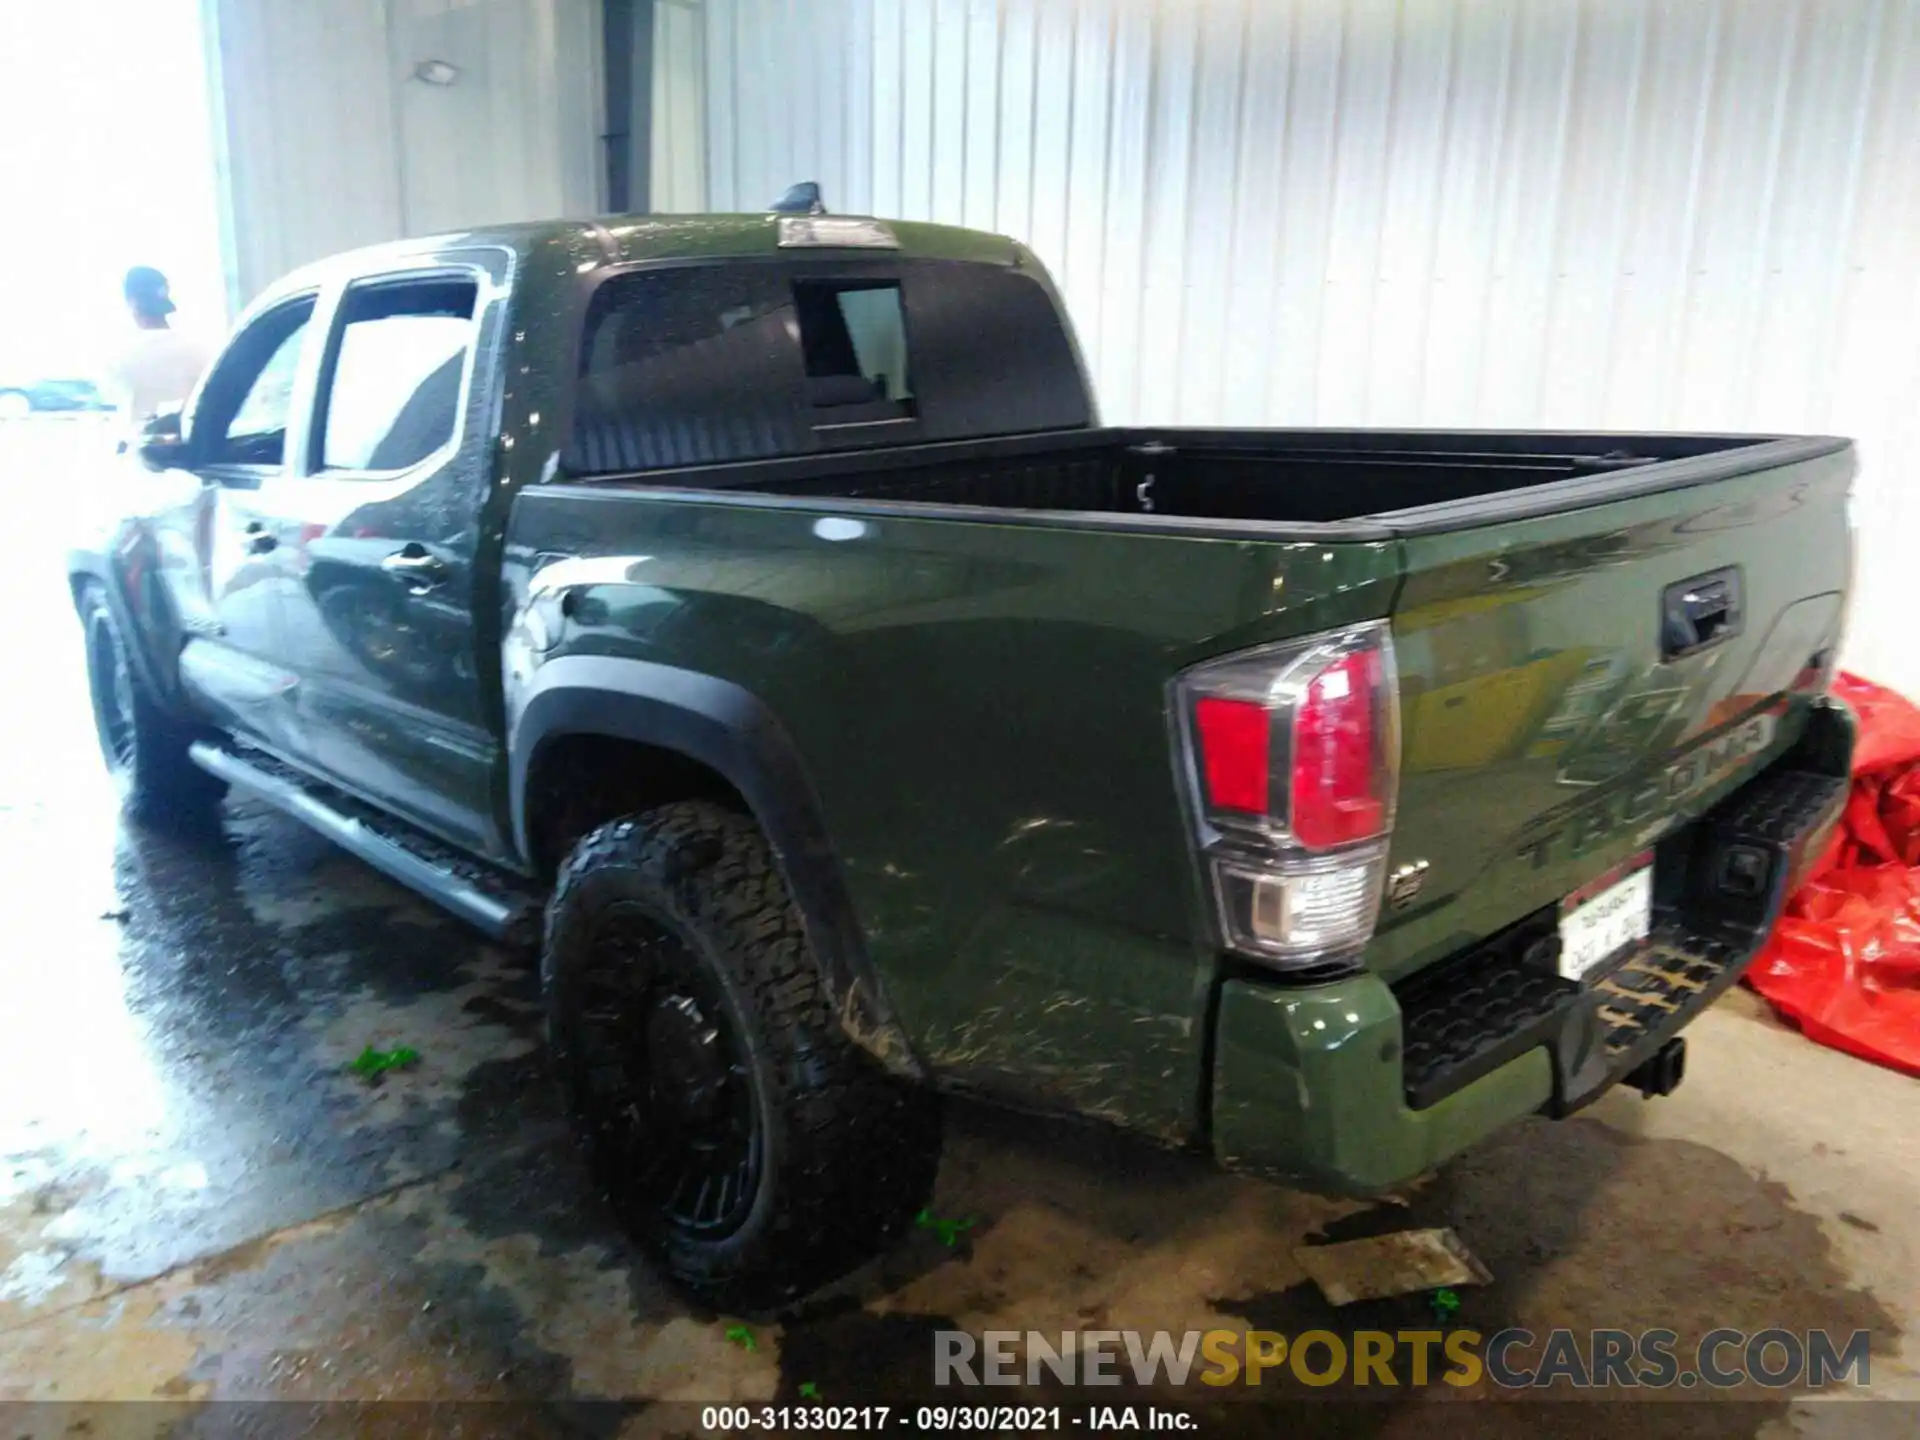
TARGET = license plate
x,y
1605,918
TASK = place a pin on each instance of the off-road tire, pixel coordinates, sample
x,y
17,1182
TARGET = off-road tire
x,y
145,749
847,1150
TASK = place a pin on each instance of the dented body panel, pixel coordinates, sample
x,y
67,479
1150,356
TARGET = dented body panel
x,y
981,711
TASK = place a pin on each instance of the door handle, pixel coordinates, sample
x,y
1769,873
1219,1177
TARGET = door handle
x,y
260,539
415,567
1700,612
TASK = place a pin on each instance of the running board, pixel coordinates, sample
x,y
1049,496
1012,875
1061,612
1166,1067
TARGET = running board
x,y
507,917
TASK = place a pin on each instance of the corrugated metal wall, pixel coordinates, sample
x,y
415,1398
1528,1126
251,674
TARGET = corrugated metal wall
x,y
678,174
1638,214
330,142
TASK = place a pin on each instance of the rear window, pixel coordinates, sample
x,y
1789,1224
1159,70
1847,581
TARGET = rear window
x,y
705,364
854,339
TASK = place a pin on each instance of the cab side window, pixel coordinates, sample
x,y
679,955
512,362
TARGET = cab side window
x,y
390,397
243,414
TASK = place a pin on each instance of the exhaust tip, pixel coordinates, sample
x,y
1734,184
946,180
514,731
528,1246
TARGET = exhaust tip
x,y
1662,1074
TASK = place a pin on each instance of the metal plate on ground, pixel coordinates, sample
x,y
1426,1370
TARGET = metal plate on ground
x,y
1404,1263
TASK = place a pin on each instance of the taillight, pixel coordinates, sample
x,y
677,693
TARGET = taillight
x,y
1341,783
1292,758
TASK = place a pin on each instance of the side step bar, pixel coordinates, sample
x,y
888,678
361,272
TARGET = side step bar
x,y
513,919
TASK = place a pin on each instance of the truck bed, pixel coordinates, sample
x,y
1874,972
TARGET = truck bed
x,y
1309,477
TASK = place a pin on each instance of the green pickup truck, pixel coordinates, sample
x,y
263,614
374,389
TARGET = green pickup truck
x,y
752,612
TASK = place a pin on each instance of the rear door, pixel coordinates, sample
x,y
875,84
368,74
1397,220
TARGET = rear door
x,y
1575,685
384,512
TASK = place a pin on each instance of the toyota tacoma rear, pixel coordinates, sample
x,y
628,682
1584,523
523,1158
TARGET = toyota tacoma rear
x,y
755,607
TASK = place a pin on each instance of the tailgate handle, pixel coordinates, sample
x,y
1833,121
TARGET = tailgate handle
x,y
1699,612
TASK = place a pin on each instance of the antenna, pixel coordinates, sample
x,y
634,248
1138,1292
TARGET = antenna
x,y
801,199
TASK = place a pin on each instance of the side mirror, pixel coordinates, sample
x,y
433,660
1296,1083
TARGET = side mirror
x,y
162,445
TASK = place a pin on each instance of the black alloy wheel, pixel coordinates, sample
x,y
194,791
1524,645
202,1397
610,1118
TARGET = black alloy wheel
x,y
666,1071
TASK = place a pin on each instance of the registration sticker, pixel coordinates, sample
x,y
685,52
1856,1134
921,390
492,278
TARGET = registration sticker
x,y
1603,919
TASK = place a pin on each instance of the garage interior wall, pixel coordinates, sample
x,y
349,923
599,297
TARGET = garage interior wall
x,y
1629,214
329,140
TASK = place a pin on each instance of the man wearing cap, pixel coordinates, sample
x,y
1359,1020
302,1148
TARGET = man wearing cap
x,y
158,365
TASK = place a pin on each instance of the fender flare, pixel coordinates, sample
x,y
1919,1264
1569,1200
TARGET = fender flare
x,y
730,731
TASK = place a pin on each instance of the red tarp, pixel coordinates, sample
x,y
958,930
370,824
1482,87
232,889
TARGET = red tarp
x,y
1844,961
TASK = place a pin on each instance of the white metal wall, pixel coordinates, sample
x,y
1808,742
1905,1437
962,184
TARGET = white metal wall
x,y
1634,214
677,176
329,141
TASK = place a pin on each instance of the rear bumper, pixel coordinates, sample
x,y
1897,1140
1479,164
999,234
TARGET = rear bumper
x,y
1357,1086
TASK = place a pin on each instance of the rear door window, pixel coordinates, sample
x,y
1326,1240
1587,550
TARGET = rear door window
x,y
391,397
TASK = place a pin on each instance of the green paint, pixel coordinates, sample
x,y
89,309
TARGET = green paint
x,y
949,1231
809,1390
371,1064
1045,937
743,1337
1445,1303
1531,702
1307,1088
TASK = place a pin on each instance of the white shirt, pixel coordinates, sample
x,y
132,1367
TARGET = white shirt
x,y
156,367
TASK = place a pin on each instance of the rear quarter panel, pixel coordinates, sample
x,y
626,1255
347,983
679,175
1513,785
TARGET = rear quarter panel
x,y
981,710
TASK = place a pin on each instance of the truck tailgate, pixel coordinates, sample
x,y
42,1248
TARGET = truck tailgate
x,y
1576,685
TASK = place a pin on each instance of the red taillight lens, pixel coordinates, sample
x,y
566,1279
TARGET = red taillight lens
x,y
1297,741
1338,790
1292,755
1234,740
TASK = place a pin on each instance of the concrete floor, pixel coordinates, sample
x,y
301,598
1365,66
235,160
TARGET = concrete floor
x,y
199,1203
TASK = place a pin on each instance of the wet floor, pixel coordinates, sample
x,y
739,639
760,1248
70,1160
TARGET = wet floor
x,y
200,1202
